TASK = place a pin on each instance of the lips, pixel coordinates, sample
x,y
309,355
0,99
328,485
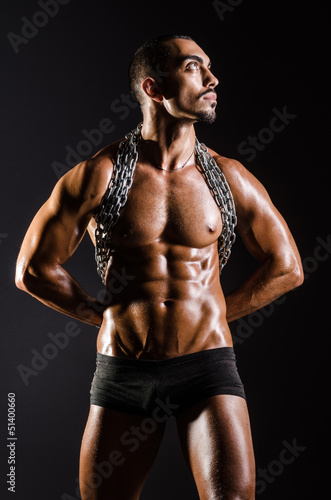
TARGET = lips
x,y
210,95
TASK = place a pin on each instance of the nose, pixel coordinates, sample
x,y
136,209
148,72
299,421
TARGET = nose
x,y
210,79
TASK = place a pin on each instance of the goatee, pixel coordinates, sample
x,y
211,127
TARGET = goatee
x,y
207,116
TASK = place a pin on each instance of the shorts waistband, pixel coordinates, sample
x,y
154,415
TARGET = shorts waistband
x,y
210,354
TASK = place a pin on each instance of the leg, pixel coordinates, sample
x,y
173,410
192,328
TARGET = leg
x,y
118,450
216,441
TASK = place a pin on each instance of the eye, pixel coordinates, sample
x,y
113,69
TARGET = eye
x,y
193,65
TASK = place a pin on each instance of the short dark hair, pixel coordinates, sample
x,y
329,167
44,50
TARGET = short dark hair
x,y
149,60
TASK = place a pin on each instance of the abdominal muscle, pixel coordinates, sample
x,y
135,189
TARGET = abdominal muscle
x,y
166,307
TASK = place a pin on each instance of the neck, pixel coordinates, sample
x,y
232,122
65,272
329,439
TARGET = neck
x,y
167,141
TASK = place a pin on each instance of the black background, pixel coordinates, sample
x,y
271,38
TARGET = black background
x,y
65,79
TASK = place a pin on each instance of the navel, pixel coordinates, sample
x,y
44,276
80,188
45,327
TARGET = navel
x,y
167,303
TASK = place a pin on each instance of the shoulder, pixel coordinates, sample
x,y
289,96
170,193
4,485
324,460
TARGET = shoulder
x,y
233,170
245,187
86,183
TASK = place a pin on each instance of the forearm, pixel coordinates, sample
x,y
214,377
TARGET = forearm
x,y
56,288
268,282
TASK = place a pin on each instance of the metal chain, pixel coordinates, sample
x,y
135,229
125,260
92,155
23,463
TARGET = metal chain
x,y
223,197
114,199
116,195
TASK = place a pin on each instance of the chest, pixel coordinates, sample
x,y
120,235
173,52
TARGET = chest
x,y
175,207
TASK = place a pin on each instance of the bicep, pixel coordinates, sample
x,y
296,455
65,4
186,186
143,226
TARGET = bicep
x,y
263,229
261,226
56,229
52,237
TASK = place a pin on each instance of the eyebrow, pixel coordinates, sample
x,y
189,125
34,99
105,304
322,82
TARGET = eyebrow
x,y
193,57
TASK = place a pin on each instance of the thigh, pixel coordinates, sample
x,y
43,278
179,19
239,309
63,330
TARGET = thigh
x,y
216,440
117,452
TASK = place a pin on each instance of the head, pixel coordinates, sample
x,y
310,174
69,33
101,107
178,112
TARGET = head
x,y
172,73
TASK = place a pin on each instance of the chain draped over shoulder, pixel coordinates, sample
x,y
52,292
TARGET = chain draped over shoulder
x,y
116,195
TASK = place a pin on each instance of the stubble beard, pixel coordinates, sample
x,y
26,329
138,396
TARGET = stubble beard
x,y
207,116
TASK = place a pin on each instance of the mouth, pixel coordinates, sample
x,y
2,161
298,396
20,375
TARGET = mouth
x,y
210,95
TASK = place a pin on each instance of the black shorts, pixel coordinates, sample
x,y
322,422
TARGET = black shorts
x,y
140,386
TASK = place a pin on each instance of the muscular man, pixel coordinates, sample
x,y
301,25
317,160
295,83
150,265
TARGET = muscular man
x,y
164,345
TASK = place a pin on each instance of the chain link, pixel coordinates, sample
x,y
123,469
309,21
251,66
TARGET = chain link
x,y
223,197
116,196
114,199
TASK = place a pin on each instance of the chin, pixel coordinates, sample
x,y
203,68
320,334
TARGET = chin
x,y
206,116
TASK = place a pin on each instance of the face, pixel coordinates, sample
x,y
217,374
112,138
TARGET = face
x,y
189,89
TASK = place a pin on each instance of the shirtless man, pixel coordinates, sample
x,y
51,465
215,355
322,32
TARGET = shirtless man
x,y
164,345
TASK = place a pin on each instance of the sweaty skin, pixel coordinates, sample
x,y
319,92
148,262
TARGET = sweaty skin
x,y
163,292
169,301
166,241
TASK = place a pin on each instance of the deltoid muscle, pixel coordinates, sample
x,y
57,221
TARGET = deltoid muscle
x,y
116,195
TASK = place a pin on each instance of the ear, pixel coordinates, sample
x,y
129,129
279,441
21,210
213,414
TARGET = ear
x,y
151,89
